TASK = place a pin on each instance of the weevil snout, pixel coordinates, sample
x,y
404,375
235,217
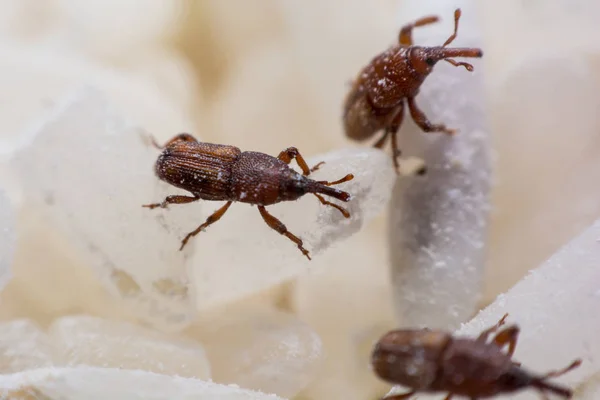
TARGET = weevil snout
x,y
325,188
423,59
435,54
447,54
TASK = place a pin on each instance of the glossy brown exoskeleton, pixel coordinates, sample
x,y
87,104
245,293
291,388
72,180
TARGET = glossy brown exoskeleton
x,y
393,78
224,173
429,361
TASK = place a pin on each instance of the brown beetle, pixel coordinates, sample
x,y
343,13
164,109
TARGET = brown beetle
x,y
431,361
224,173
376,100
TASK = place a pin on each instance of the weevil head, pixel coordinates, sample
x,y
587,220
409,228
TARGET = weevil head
x,y
423,59
293,185
513,380
409,357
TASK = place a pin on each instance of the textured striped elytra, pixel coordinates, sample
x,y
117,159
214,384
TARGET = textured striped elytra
x,y
390,82
431,361
216,172
202,168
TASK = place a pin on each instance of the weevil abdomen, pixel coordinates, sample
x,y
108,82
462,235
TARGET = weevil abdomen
x,y
204,169
359,123
361,119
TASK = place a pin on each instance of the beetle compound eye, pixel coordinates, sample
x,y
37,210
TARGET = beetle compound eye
x,y
430,61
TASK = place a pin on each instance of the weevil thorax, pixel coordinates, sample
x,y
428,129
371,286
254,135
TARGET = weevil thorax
x,y
389,78
259,178
409,357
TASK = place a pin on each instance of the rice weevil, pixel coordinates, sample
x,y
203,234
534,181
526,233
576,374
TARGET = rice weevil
x,y
430,361
217,172
392,79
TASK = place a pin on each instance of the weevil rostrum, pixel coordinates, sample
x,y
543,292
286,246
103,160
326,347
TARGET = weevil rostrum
x,y
217,172
376,102
429,361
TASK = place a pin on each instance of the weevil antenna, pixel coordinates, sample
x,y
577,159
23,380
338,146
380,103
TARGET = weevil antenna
x,y
543,386
341,209
553,374
324,187
467,66
346,178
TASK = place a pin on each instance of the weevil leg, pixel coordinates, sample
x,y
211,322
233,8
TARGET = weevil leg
x,y
395,151
175,199
394,129
289,154
421,119
508,336
391,124
402,396
155,143
344,212
278,226
450,395
185,137
405,37
316,167
214,217
381,141
483,337
457,15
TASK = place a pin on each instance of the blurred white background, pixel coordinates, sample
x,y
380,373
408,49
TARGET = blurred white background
x,y
268,74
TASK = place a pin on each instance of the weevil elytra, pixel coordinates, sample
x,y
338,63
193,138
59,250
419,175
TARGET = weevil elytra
x,y
219,172
429,361
376,101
